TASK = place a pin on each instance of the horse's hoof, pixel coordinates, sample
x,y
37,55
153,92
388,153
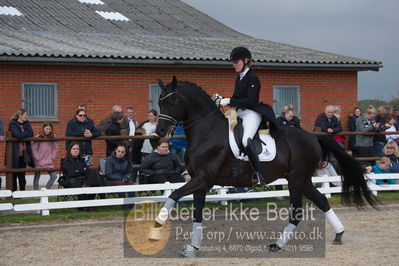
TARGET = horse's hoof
x,y
338,239
274,248
155,233
188,252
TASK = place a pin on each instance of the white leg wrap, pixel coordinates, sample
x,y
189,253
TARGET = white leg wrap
x,y
197,235
286,235
164,212
334,221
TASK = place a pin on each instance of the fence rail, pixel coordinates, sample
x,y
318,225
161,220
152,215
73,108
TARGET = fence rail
x,y
222,193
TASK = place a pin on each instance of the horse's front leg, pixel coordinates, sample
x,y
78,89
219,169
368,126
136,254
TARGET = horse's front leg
x,y
190,250
194,185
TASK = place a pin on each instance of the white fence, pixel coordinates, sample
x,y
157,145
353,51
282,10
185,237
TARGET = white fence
x,y
221,194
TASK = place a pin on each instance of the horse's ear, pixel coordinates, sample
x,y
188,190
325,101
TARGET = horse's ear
x,y
160,83
173,84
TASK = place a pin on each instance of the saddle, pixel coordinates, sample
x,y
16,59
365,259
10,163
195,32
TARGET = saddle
x,y
264,144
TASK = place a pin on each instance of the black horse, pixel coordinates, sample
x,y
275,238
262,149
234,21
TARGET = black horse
x,y
210,161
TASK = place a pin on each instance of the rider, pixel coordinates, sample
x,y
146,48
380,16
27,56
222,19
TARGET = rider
x,y
246,100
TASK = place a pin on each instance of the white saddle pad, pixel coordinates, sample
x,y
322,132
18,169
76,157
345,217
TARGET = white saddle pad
x,y
268,151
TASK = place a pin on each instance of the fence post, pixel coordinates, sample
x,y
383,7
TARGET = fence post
x,y
8,161
370,184
44,200
326,185
167,192
221,192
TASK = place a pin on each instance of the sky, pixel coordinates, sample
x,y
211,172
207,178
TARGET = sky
x,y
367,29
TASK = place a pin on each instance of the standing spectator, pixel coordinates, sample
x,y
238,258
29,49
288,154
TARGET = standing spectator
x,y
114,129
44,154
288,118
328,122
391,126
381,119
105,123
2,139
119,170
339,139
352,127
391,150
133,125
366,123
395,112
81,126
162,166
149,128
178,146
22,152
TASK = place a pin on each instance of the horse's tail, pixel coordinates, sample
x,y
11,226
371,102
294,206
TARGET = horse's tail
x,y
354,187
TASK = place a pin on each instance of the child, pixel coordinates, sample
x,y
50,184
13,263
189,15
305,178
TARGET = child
x,y
382,167
44,154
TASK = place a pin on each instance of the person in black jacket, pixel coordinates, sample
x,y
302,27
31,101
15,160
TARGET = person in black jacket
x,y
252,112
288,118
81,126
114,129
22,152
352,127
328,122
161,165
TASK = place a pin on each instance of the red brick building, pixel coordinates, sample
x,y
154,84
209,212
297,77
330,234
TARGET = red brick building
x,y
59,54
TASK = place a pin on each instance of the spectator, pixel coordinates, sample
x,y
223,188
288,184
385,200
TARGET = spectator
x,y
44,154
81,126
352,127
380,140
391,150
114,129
105,123
288,118
391,127
339,139
178,146
162,166
2,139
119,170
133,126
395,112
149,128
382,167
366,123
328,122
20,128
326,169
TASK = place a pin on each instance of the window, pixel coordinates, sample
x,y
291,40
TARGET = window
x,y
285,95
155,91
40,100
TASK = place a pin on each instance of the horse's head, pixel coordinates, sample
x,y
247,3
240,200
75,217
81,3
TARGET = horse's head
x,y
171,104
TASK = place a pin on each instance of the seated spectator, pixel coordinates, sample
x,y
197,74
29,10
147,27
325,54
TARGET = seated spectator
x,y
391,127
328,122
82,126
391,150
352,127
162,166
288,118
20,128
119,170
149,127
44,154
178,146
382,167
326,169
114,129
366,123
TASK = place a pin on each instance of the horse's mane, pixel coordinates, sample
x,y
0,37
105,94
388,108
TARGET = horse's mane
x,y
193,91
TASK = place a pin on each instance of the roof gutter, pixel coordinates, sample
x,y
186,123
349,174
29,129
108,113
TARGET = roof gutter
x,y
187,63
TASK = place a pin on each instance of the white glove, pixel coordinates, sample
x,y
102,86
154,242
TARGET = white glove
x,y
225,101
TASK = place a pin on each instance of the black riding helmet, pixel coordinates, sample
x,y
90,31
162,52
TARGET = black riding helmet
x,y
240,53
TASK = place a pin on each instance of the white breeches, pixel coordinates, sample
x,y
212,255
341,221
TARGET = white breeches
x,y
250,122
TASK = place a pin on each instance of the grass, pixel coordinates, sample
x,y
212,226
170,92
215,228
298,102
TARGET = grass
x,y
118,211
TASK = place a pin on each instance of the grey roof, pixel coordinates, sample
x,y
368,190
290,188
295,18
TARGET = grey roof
x,y
157,31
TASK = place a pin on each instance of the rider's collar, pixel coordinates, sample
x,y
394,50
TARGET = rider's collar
x,y
242,74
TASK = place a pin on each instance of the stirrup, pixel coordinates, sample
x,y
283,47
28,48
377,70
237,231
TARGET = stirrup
x,y
257,179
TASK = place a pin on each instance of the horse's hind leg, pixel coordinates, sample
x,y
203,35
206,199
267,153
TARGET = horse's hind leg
x,y
190,250
321,202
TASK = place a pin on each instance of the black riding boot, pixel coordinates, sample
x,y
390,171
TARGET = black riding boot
x,y
257,178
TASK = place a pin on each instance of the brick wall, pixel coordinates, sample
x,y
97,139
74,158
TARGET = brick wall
x,y
102,87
